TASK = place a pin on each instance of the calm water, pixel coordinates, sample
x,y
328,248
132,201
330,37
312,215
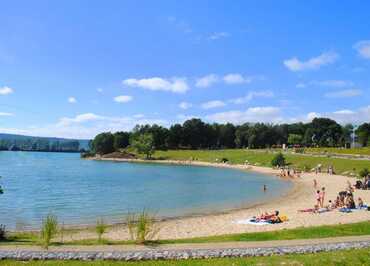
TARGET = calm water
x,y
79,191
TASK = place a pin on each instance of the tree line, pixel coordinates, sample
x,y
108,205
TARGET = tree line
x,y
39,144
196,134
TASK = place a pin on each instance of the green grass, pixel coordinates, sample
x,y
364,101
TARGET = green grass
x,y
352,151
263,158
347,257
355,229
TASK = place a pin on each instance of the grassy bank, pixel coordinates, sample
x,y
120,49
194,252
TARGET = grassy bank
x,y
263,158
352,151
348,257
355,229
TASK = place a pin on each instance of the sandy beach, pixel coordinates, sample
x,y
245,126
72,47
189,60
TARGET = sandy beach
x,y
302,196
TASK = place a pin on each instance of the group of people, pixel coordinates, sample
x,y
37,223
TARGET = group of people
x,y
330,169
365,184
287,172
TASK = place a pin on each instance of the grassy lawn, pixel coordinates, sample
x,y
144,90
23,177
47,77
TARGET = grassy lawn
x,y
263,158
348,257
354,151
362,228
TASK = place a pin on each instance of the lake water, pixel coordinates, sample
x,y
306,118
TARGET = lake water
x,y
80,191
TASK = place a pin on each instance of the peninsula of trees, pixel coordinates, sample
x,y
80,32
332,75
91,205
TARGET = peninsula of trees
x,y
196,134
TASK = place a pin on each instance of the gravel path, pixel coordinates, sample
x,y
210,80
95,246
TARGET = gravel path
x,y
184,251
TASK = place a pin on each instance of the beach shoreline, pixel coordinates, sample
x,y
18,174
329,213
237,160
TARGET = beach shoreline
x,y
300,196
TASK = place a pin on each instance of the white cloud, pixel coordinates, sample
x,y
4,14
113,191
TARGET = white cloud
x,y
213,104
72,100
236,78
343,93
185,105
122,98
344,112
139,116
207,81
334,83
218,35
6,114
176,85
251,95
301,85
363,48
100,90
312,115
6,90
253,114
294,64
84,126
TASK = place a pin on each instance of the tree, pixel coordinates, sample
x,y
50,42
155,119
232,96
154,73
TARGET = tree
x,y
363,133
278,160
144,144
1,189
103,143
121,140
295,139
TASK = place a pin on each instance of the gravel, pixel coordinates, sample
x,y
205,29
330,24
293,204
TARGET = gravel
x,y
177,254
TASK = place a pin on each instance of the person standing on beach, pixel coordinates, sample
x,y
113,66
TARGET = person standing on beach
x,y
322,197
315,183
264,188
318,198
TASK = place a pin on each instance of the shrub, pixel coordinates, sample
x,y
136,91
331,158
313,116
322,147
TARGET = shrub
x,y
224,160
364,172
49,230
278,160
142,227
2,232
100,229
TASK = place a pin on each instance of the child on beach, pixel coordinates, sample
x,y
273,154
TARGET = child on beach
x,y
361,203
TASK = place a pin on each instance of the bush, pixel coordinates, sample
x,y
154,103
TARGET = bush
x,y
100,229
224,160
2,232
49,230
141,227
364,172
278,160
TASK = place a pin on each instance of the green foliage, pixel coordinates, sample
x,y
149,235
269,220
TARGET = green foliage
x,y
278,160
294,139
121,140
2,232
143,144
100,229
103,143
1,189
49,230
364,172
142,227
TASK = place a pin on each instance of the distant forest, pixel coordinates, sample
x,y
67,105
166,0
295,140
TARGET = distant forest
x,y
196,134
11,142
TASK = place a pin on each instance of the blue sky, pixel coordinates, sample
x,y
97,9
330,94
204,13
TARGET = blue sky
x,y
76,68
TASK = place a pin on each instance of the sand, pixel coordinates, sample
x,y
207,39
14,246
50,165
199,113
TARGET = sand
x,y
301,196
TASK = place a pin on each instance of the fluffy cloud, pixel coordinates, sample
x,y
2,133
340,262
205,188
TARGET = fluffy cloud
x,y
235,78
122,98
176,85
343,93
213,104
253,114
6,90
251,95
229,79
334,83
185,105
218,35
363,48
6,114
294,64
72,100
84,126
207,81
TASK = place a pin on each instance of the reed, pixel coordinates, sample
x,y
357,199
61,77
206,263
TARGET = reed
x,y
49,230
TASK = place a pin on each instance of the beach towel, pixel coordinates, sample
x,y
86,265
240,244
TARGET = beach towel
x,y
252,221
345,210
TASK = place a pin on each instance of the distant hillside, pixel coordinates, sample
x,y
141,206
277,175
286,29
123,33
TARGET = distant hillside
x,y
28,143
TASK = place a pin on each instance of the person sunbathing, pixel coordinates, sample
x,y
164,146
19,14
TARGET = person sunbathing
x,y
267,216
